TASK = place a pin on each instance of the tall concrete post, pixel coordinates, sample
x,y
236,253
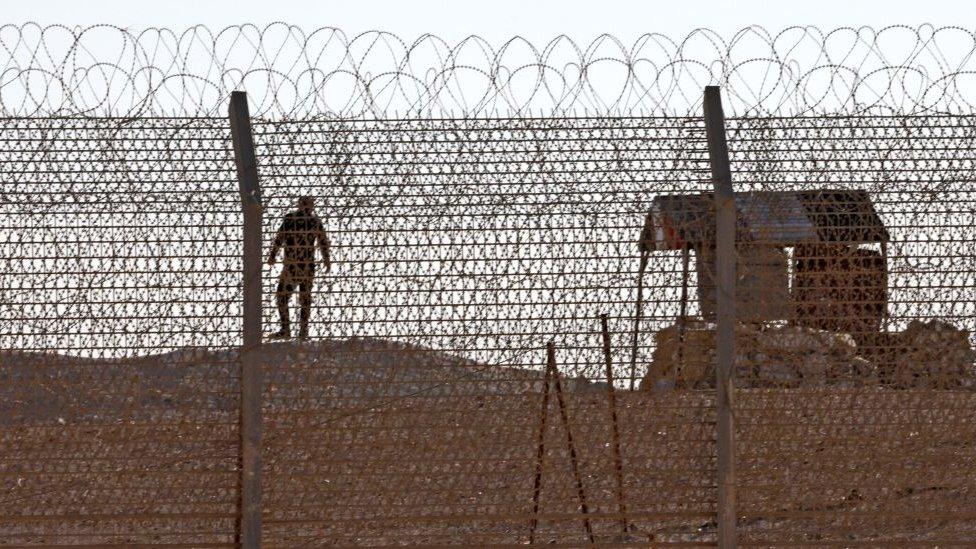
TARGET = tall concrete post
x,y
718,154
249,526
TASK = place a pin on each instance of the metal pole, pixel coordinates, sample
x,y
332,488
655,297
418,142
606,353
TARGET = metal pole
x,y
249,512
718,154
618,465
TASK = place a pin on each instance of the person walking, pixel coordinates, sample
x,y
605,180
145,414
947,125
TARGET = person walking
x,y
300,232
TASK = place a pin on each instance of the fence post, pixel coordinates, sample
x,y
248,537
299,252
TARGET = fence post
x,y
249,511
718,154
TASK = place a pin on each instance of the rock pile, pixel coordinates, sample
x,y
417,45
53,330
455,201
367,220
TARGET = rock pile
x,y
796,356
683,360
931,354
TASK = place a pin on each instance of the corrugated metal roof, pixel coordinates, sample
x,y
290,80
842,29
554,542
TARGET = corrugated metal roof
x,y
774,217
844,215
681,220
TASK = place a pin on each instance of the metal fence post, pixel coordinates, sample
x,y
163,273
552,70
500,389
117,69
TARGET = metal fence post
x,y
249,513
718,154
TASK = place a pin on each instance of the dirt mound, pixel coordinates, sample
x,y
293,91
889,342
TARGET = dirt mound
x,y
370,442
39,387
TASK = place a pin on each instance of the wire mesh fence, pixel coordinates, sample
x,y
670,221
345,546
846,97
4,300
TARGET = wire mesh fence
x,y
855,409
446,374
120,320
460,248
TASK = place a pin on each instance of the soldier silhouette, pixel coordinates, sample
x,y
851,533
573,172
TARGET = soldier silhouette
x,y
299,233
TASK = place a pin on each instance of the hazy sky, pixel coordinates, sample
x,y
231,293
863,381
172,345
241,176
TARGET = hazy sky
x,y
539,22
499,19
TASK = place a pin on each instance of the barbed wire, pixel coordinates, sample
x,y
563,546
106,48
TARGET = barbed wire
x,y
491,213
293,73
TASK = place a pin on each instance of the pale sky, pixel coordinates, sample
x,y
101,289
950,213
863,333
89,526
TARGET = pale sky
x,y
860,52
499,19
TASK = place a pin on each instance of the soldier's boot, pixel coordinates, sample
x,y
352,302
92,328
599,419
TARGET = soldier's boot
x,y
282,302
283,333
306,312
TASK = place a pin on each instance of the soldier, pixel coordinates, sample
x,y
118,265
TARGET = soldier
x,y
299,233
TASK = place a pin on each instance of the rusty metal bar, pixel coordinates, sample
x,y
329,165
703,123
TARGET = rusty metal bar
x,y
564,415
683,313
645,255
249,527
618,465
718,154
540,456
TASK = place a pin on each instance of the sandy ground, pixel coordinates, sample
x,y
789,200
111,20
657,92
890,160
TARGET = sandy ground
x,y
371,443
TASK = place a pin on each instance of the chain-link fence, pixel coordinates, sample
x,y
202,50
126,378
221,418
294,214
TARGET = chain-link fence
x,y
501,329
461,247
855,393
120,322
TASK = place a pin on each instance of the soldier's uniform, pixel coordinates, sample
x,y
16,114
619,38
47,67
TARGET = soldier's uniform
x,y
299,234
